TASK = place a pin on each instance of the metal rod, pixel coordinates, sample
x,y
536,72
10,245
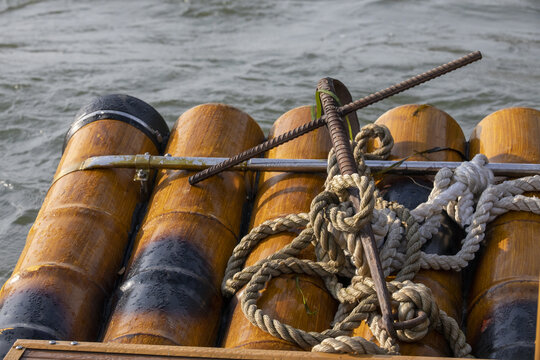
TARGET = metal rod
x,y
409,83
343,110
408,324
257,150
347,166
294,165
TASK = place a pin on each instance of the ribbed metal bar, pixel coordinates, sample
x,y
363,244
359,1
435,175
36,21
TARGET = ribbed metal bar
x,y
409,83
257,150
343,110
347,166
338,134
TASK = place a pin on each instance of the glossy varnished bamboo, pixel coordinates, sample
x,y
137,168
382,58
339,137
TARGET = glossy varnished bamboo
x,y
280,194
416,128
503,299
76,245
537,341
171,292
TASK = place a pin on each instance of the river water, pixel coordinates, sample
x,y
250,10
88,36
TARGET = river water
x,y
264,57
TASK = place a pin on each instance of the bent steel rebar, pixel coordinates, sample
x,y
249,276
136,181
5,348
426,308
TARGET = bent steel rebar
x,y
343,110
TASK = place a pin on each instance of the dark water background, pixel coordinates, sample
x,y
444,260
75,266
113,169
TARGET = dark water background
x,y
264,57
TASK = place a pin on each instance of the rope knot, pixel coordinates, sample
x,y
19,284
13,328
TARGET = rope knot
x,y
412,299
341,215
474,174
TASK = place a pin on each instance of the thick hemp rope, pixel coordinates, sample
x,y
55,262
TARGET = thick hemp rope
x,y
332,226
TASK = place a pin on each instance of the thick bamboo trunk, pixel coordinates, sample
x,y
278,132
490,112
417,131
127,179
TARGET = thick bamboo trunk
x,y
171,292
503,300
280,194
76,246
416,128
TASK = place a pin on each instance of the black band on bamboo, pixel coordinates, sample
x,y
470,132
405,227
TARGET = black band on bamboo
x,y
124,108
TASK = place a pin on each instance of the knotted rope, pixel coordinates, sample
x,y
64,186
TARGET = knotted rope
x,y
332,227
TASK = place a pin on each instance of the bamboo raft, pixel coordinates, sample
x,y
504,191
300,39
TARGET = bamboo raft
x,y
120,269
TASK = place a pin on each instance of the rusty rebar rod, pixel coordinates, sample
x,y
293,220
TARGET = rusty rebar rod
x,y
343,110
409,83
257,150
347,166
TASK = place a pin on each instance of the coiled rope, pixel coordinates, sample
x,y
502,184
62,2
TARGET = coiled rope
x,y
467,195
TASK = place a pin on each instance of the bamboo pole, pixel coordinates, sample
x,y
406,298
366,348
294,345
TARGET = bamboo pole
x,y
171,291
503,298
417,128
537,341
75,247
280,194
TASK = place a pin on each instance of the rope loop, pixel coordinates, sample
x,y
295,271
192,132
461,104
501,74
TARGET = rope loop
x,y
474,174
371,132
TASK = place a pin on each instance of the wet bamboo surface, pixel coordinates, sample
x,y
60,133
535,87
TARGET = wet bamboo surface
x,y
417,128
279,194
171,292
33,349
537,341
76,245
503,300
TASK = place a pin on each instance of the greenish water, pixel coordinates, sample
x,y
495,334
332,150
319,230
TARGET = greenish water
x,y
263,57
